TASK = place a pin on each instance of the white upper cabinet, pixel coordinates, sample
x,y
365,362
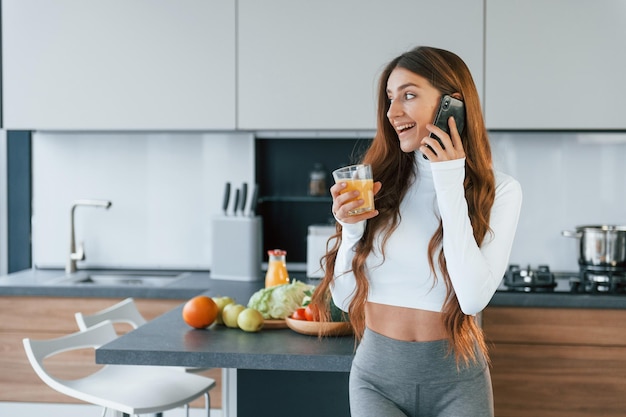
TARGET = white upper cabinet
x,y
119,64
555,64
315,64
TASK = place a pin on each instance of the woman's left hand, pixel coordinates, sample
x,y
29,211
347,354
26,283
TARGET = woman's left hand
x,y
343,203
452,146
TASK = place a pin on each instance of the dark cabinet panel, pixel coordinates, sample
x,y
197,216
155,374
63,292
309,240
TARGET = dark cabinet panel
x,y
282,172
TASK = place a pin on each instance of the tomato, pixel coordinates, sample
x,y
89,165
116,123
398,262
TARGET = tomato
x,y
311,313
298,314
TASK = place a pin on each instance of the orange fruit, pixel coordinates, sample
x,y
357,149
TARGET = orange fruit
x,y
200,312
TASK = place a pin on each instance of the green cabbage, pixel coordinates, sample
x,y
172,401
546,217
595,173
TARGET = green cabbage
x,y
279,301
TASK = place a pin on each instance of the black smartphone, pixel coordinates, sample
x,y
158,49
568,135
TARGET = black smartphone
x,y
449,106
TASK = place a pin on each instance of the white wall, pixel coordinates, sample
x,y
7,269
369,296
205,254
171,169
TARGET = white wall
x,y
568,180
165,187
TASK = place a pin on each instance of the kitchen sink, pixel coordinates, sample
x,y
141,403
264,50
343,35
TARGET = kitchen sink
x,y
108,278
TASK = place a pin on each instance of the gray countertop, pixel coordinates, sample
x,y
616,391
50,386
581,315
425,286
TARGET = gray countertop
x,y
168,341
44,282
558,300
50,282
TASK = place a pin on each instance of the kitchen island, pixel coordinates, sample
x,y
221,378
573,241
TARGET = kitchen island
x,y
311,375
279,372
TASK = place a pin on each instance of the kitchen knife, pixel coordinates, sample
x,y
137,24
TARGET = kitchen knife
x,y
244,197
254,200
226,198
236,205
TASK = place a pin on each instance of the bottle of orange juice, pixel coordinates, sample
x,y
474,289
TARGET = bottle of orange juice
x,y
276,268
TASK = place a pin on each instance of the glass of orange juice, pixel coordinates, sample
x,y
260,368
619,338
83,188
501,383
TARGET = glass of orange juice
x,y
357,177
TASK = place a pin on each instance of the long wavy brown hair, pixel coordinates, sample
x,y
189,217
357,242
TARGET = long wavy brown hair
x,y
395,169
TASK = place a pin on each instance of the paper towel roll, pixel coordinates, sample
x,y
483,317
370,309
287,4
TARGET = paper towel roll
x,y
316,248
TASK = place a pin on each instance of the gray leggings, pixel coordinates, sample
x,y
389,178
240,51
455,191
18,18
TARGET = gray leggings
x,y
392,378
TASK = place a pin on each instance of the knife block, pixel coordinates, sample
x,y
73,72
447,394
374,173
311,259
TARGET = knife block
x,y
236,248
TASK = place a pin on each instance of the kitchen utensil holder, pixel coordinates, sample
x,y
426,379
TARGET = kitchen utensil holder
x,y
236,248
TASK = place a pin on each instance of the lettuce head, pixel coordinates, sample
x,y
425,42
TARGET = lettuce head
x,y
279,301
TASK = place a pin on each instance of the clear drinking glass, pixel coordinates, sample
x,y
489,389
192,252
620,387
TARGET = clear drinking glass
x,y
357,177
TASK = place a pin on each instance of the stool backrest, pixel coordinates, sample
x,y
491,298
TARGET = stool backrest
x,y
38,350
123,312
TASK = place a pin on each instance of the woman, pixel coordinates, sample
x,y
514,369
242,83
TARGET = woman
x,y
413,273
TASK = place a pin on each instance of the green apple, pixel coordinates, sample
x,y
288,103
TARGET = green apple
x,y
250,320
221,303
230,314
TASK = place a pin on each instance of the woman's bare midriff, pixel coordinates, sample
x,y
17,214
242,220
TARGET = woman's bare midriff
x,y
402,323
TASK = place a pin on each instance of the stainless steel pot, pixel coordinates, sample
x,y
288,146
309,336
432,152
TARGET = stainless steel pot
x,y
601,245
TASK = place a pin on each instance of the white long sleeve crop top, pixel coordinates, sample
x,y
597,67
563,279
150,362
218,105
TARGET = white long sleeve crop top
x,y
404,277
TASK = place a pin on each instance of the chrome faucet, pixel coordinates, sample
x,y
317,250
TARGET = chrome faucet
x,y
79,255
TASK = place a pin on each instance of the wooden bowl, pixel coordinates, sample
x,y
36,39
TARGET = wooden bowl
x,y
274,324
312,328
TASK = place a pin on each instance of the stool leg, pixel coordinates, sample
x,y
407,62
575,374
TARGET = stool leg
x,y
207,404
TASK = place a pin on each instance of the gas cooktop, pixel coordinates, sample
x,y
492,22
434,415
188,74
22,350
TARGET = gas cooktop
x,y
585,281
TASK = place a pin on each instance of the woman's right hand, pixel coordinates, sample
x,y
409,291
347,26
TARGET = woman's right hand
x,y
343,203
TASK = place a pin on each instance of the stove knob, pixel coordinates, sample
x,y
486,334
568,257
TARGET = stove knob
x,y
574,284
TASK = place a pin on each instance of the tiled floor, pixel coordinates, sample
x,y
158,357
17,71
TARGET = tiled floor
x,y
8,409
